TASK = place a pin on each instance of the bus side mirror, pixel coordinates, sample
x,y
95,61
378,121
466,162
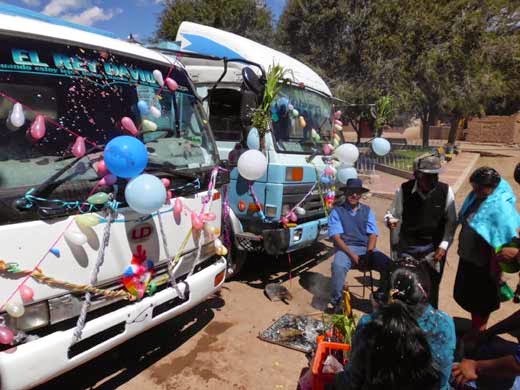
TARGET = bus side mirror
x,y
248,103
253,82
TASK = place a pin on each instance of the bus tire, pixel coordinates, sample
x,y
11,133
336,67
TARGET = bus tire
x,y
236,260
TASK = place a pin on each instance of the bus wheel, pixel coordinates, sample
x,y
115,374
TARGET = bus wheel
x,y
236,260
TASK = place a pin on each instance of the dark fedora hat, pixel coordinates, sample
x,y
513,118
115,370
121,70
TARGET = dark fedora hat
x,y
354,186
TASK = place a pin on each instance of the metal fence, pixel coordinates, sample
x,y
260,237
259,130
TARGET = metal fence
x,y
400,157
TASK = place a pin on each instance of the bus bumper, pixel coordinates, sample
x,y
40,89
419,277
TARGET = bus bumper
x,y
45,358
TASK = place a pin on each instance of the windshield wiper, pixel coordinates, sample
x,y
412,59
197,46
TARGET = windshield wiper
x,y
25,204
169,168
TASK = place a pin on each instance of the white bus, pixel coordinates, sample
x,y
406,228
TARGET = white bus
x,y
83,83
295,157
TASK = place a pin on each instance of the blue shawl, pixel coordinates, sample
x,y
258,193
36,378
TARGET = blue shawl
x,y
496,220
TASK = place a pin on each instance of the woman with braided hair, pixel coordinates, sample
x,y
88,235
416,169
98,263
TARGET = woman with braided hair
x,y
409,289
489,221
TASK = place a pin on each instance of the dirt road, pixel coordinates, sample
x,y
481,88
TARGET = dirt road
x,y
216,345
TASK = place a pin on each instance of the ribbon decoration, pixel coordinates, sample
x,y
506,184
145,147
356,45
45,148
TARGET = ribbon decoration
x,y
39,276
255,199
309,193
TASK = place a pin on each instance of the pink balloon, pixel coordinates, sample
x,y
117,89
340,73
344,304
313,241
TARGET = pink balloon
x,y
177,207
166,182
129,125
79,149
26,293
6,335
172,84
327,149
337,114
338,122
108,180
329,171
169,196
196,221
209,217
285,220
292,217
101,168
38,127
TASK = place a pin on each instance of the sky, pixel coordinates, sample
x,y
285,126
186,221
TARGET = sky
x,y
122,17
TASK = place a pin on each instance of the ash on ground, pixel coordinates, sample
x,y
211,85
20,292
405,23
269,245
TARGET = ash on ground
x,y
295,332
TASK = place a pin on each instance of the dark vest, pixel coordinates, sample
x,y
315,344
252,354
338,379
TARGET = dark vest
x,y
354,226
423,219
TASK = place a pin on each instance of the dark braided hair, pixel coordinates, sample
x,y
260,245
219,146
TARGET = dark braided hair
x,y
485,176
410,284
397,355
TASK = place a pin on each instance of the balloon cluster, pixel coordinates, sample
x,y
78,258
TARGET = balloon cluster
x,y
220,249
338,126
138,275
327,179
347,154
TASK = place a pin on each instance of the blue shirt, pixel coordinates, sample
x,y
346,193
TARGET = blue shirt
x,y
336,227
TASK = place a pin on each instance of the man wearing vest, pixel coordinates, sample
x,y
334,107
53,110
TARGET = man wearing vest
x,y
428,218
353,230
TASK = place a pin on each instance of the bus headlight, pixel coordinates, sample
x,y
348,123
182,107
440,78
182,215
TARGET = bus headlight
x,y
294,174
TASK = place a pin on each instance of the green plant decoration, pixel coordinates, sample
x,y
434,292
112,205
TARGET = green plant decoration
x,y
275,80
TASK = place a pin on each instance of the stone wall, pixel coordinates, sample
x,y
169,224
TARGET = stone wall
x,y
498,129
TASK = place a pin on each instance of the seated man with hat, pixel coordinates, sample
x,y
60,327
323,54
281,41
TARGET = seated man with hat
x,y
353,230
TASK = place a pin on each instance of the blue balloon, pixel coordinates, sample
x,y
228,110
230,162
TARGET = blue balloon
x,y
253,139
381,146
345,173
325,180
125,156
283,102
145,194
143,107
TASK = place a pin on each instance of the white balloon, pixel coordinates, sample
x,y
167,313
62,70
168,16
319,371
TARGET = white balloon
x,y
15,310
299,210
347,153
345,173
155,112
76,238
158,77
17,117
252,165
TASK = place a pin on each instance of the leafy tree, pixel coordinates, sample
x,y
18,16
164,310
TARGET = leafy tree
x,y
441,58
241,17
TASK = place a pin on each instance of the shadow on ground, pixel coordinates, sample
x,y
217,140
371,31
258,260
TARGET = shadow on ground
x,y
136,355
319,286
260,270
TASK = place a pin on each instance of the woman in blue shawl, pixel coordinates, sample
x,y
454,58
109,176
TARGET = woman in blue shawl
x,y
489,221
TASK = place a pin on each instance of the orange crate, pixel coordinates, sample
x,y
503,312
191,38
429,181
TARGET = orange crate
x,y
319,379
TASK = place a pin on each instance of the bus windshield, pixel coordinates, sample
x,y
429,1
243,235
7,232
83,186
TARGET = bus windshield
x,y
88,92
289,134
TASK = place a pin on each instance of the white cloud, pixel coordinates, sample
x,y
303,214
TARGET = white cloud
x,y
31,3
58,7
92,15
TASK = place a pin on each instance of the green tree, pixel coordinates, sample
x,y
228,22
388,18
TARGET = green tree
x,y
241,17
436,59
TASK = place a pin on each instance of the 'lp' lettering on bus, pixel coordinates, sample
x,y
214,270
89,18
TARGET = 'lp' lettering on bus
x,y
140,232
